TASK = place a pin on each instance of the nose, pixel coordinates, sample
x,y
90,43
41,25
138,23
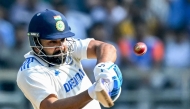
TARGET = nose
x,y
63,47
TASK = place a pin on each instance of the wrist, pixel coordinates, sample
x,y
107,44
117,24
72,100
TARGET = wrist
x,y
91,91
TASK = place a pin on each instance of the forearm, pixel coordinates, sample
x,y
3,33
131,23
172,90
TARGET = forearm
x,y
74,102
106,52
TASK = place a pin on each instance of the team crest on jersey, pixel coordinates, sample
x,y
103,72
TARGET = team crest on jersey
x,y
60,25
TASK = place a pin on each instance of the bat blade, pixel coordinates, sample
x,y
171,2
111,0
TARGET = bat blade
x,y
104,98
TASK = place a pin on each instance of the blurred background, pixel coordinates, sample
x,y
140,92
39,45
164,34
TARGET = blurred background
x,y
160,79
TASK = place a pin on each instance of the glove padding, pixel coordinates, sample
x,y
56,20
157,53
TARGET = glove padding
x,y
111,73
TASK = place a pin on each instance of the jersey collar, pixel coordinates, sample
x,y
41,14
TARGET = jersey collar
x,y
31,54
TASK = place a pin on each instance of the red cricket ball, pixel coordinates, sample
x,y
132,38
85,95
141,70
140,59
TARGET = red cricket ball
x,y
140,48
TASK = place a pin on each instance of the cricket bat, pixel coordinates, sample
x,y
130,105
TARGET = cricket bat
x,y
104,98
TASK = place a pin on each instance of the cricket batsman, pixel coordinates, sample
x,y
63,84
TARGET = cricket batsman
x,y
52,76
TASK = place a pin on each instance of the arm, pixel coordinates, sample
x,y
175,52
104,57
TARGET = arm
x,y
52,102
102,51
106,55
96,49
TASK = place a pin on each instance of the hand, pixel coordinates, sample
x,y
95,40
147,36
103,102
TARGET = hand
x,y
110,72
100,91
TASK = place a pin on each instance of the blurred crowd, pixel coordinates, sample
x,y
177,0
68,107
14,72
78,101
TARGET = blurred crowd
x,y
164,25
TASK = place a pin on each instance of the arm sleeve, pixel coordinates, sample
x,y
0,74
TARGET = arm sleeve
x,y
81,48
35,86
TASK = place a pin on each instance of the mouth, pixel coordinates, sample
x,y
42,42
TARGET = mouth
x,y
57,53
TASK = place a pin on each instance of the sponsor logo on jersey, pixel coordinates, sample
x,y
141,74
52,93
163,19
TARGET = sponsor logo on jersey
x,y
56,72
74,81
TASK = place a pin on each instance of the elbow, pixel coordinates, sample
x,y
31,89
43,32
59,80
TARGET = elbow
x,y
113,49
106,52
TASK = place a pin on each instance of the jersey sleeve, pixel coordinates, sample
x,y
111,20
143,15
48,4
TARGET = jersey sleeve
x,y
36,86
81,48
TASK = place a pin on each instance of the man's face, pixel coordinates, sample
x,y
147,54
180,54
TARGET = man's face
x,y
56,46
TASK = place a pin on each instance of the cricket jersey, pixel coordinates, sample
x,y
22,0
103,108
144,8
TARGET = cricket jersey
x,y
37,79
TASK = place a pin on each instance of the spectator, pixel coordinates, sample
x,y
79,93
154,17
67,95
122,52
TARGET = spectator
x,y
160,8
176,15
109,12
177,49
6,30
79,22
22,10
7,38
20,47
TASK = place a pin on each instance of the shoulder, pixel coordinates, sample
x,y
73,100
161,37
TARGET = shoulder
x,y
30,63
83,41
32,75
31,67
80,48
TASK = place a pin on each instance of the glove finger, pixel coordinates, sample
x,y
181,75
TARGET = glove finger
x,y
118,73
105,76
116,96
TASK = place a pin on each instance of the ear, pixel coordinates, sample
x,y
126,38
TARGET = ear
x,y
35,50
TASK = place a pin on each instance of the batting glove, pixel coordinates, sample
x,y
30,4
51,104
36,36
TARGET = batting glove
x,y
111,73
100,91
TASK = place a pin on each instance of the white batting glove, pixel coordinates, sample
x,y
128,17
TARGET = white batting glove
x,y
100,91
110,72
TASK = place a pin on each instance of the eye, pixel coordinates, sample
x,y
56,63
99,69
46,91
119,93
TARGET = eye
x,y
53,42
62,40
